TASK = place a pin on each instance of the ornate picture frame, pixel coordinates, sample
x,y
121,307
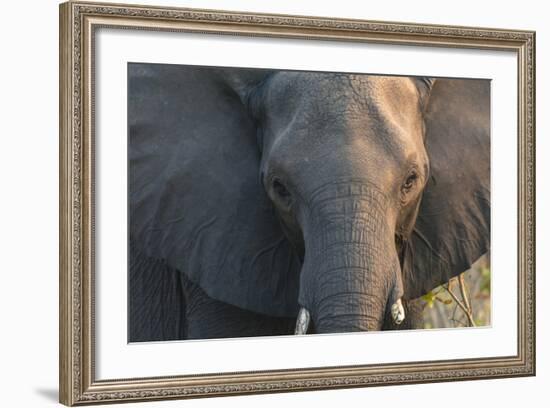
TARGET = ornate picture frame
x,y
79,23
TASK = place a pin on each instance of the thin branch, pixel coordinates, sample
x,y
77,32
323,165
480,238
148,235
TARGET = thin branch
x,y
461,305
454,312
465,297
467,301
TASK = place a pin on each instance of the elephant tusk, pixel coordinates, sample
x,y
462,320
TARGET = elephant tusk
x,y
302,322
398,312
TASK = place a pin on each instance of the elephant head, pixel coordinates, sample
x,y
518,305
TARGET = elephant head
x,y
313,195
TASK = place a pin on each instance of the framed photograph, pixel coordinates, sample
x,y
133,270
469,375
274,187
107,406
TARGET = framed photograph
x,y
256,203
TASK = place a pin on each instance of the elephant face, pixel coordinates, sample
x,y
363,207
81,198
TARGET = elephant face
x,y
344,163
336,193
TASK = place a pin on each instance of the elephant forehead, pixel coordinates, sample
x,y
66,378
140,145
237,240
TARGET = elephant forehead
x,y
338,92
322,103
310,111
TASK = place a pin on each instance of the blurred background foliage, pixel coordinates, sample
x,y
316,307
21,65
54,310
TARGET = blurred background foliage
x,y
464,302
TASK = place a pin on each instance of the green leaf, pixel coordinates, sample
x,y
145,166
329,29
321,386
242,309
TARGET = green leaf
x,y
429,299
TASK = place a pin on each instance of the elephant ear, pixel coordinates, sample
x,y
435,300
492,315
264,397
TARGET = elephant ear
x,y
453,226
195,198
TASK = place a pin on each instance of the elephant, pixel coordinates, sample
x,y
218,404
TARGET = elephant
x,y
271,202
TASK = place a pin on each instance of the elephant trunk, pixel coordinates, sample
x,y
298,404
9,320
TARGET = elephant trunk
x,y
351,271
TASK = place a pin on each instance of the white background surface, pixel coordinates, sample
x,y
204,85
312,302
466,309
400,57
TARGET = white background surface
x,y
28,216
117,359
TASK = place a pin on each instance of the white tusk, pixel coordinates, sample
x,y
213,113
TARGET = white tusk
x,y
302,322
398,312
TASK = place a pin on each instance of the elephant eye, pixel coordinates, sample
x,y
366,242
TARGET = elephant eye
x,y
280,189
409,182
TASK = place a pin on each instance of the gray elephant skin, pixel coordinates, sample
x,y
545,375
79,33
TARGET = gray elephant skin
x,y
256,196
